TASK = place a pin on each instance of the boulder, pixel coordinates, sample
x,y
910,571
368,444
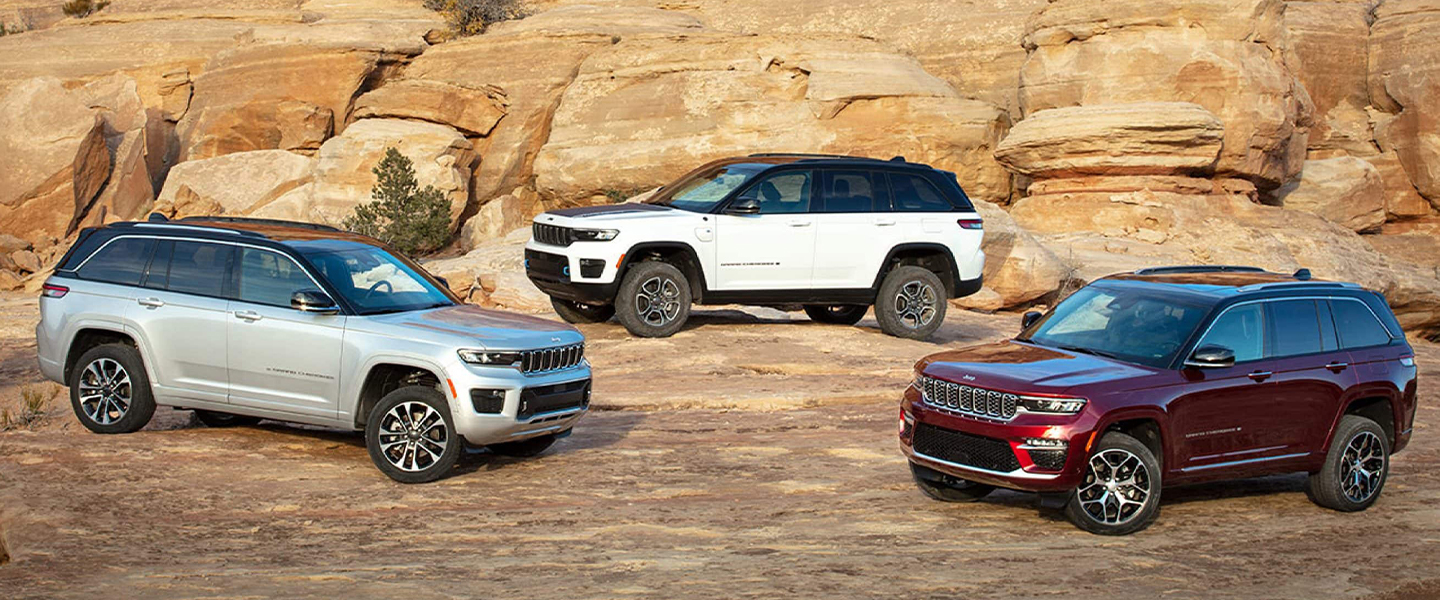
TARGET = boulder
x,y
1114,139
10,243
9,282
500,216
1346,190
26,261
1327,51
240,183
53,159
137,144
1404,69
497,268
474,111
1402,201
1018,268
1416,241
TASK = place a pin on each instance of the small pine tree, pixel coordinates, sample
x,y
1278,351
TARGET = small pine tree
x,y
401,214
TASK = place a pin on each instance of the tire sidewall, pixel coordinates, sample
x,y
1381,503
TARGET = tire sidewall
x,y
629,315
885,313
435,400
1113,440
142,399
1329,480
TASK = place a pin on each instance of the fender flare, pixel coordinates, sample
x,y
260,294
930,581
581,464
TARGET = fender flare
x,y
942,249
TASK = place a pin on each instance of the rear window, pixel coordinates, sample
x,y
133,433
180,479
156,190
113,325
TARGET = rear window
x,y
1357,325
852,191
912,193
121,261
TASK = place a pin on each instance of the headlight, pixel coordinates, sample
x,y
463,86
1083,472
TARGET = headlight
x,y
496,359
1052,406
595,235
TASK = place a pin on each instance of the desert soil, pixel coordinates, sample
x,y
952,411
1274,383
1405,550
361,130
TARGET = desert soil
x,y
753,455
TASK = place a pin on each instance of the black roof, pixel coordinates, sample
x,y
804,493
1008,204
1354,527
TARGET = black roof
x,y
1223,281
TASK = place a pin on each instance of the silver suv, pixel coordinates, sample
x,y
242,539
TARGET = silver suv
x,y
244,319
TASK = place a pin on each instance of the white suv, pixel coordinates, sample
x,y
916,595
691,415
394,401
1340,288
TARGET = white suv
x,y
836,234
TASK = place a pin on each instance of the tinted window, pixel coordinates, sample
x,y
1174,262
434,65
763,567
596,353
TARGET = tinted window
x,y
783,193
1239,329
159,274
121,261
1357,325
199,268
1127,323
851,191
1294,328
371,279
912,193
270,278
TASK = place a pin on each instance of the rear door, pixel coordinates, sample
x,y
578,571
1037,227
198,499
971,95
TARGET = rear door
x,y
772,250
1310,378
181,314
855,229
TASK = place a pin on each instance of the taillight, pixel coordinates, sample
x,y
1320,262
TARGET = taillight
x,y
51,290
971,224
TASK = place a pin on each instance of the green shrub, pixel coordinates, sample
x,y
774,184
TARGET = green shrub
x,y
471,17
83,8
401,214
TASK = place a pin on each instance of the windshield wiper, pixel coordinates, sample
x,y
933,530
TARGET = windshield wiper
x,y
1087,351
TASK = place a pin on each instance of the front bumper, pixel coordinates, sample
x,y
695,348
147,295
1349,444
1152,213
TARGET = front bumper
x,y
1026,475
562,276
512,422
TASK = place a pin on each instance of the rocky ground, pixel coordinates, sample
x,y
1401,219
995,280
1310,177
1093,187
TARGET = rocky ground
x,y
761,463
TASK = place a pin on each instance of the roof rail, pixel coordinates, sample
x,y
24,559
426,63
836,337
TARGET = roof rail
x,y
254,221
811,156
172,225
1198,269
1300,285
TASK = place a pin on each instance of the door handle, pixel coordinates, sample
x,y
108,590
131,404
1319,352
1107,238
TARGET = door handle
x,y
884,222
1261,375
1337,366
247,315
800,223
150,302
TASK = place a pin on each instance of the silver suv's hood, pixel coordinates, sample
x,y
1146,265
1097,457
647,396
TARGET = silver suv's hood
x,y
585,216
472,326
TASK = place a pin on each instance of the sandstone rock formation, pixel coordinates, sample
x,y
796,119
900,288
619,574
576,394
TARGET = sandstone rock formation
x,y
53,159
1018,268
240,183
1404,71
474,111
1328,52
1114,139
494,275
1346,190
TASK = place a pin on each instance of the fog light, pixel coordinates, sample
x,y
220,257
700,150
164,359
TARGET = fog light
x,y
591,268
1044,444
488,402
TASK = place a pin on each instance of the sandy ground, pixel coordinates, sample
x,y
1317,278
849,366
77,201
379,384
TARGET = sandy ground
x,y
795,488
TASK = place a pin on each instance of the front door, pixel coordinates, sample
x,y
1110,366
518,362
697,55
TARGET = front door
x,y
1213,417
281,359
772,250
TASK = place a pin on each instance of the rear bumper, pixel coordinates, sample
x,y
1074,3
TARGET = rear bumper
x,y
966,287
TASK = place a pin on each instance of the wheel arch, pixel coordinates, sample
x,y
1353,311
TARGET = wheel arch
x,y
1147,427
90,336
932,256
680,254
1376,407
387,374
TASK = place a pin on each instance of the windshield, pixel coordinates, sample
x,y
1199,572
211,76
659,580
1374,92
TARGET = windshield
x,y
375,281
702,191
1130,323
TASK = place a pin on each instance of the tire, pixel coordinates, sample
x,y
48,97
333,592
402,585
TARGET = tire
x,y
110,391
404,432
836,314
1121,457
575,312
219,419
942,487
911,303
1356,467
524,448
654,300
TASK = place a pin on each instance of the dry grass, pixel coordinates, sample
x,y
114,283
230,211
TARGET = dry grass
x,y
34,406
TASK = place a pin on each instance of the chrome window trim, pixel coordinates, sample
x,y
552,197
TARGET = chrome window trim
x,y
292,260
1222,314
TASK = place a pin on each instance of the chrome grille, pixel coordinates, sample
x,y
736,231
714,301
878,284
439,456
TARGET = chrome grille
x,y
553,235
551,359
990,404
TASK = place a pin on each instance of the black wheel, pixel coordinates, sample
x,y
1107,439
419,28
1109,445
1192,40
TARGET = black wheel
x,y
411,436
836,314
654,300
575,312
1121,491
524,448
1355,467
911,303
110,391
945,488
219,419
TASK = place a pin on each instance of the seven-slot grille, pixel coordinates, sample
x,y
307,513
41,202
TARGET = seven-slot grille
x,y
553,235
968,400
551,359
964,449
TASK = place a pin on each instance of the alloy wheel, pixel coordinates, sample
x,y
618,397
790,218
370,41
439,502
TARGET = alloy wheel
x,y
413,436
658,301
1362,467
915,304
105,392
1116,488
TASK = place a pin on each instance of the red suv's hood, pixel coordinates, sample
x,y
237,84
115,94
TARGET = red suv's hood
x,y
1025,368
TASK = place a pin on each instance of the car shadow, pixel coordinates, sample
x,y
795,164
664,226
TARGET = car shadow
x,y
949,333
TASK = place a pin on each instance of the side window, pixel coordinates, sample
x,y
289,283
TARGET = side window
x,y
270,278
1357,325
159,274
783,193
199,268
1240,329
912,193
1294,328
852,191
121,261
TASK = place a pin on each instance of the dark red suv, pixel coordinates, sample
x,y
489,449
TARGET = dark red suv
x,y
1169,375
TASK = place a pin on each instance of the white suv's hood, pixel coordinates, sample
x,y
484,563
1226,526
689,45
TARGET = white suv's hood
x,y
597,216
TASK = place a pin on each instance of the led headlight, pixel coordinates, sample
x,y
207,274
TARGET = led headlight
x,y
595,235
497,359
1052,406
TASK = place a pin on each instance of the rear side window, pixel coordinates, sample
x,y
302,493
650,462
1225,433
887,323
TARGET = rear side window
x,y
1240,329
1358,326
912,193
121,261
1294,328
270,278
852,191
199,268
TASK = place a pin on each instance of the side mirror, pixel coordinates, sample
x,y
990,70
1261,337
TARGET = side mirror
x,y
1029,319
744,206
313,301
443,281
1211,356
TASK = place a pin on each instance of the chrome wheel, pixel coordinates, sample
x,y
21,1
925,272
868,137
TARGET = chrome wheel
x,y
105,392
1116,488
1362,467
413,436
658,301
915,304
